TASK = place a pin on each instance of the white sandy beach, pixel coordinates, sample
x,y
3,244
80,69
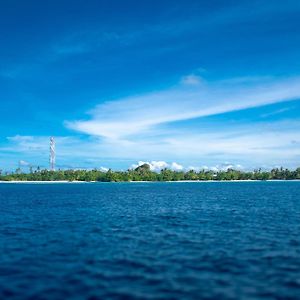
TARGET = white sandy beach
x,y
180,181
42,182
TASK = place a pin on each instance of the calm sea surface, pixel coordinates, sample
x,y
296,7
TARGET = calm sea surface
x,y
150,241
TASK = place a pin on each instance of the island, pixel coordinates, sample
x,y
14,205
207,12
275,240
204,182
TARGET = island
x,y
144,173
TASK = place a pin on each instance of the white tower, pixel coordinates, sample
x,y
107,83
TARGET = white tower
x,y
52,153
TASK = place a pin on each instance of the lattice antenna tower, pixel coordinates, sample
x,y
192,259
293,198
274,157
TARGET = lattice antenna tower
x,y
52,153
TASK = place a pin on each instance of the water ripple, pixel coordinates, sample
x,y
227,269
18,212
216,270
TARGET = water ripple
x,y
150,241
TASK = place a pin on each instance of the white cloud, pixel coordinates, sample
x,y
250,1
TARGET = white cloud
x,y
155,166
276,112
191,79
254,145
142,127
226,166
220,167
197,169
23,163
176,167
138,115
103,169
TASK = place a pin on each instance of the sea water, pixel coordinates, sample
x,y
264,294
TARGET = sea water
x,y
215,240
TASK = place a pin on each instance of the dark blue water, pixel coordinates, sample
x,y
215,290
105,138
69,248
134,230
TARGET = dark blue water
x,y
150,241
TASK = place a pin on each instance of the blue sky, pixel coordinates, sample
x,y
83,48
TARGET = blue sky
x,y
183,84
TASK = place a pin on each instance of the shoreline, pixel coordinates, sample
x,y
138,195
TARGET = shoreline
x,y
45,181
179,181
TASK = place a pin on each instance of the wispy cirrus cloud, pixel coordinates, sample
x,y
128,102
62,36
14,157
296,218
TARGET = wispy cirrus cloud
x,y
140,114
84,41
276,112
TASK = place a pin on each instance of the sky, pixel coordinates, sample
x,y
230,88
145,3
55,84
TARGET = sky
x,y
179,84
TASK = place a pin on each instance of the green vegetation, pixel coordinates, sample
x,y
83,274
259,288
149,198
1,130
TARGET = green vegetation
x,y
143,173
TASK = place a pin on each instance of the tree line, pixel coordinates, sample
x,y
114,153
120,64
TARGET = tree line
x,y
143,173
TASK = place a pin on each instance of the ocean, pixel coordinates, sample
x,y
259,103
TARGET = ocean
x,y
206,240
